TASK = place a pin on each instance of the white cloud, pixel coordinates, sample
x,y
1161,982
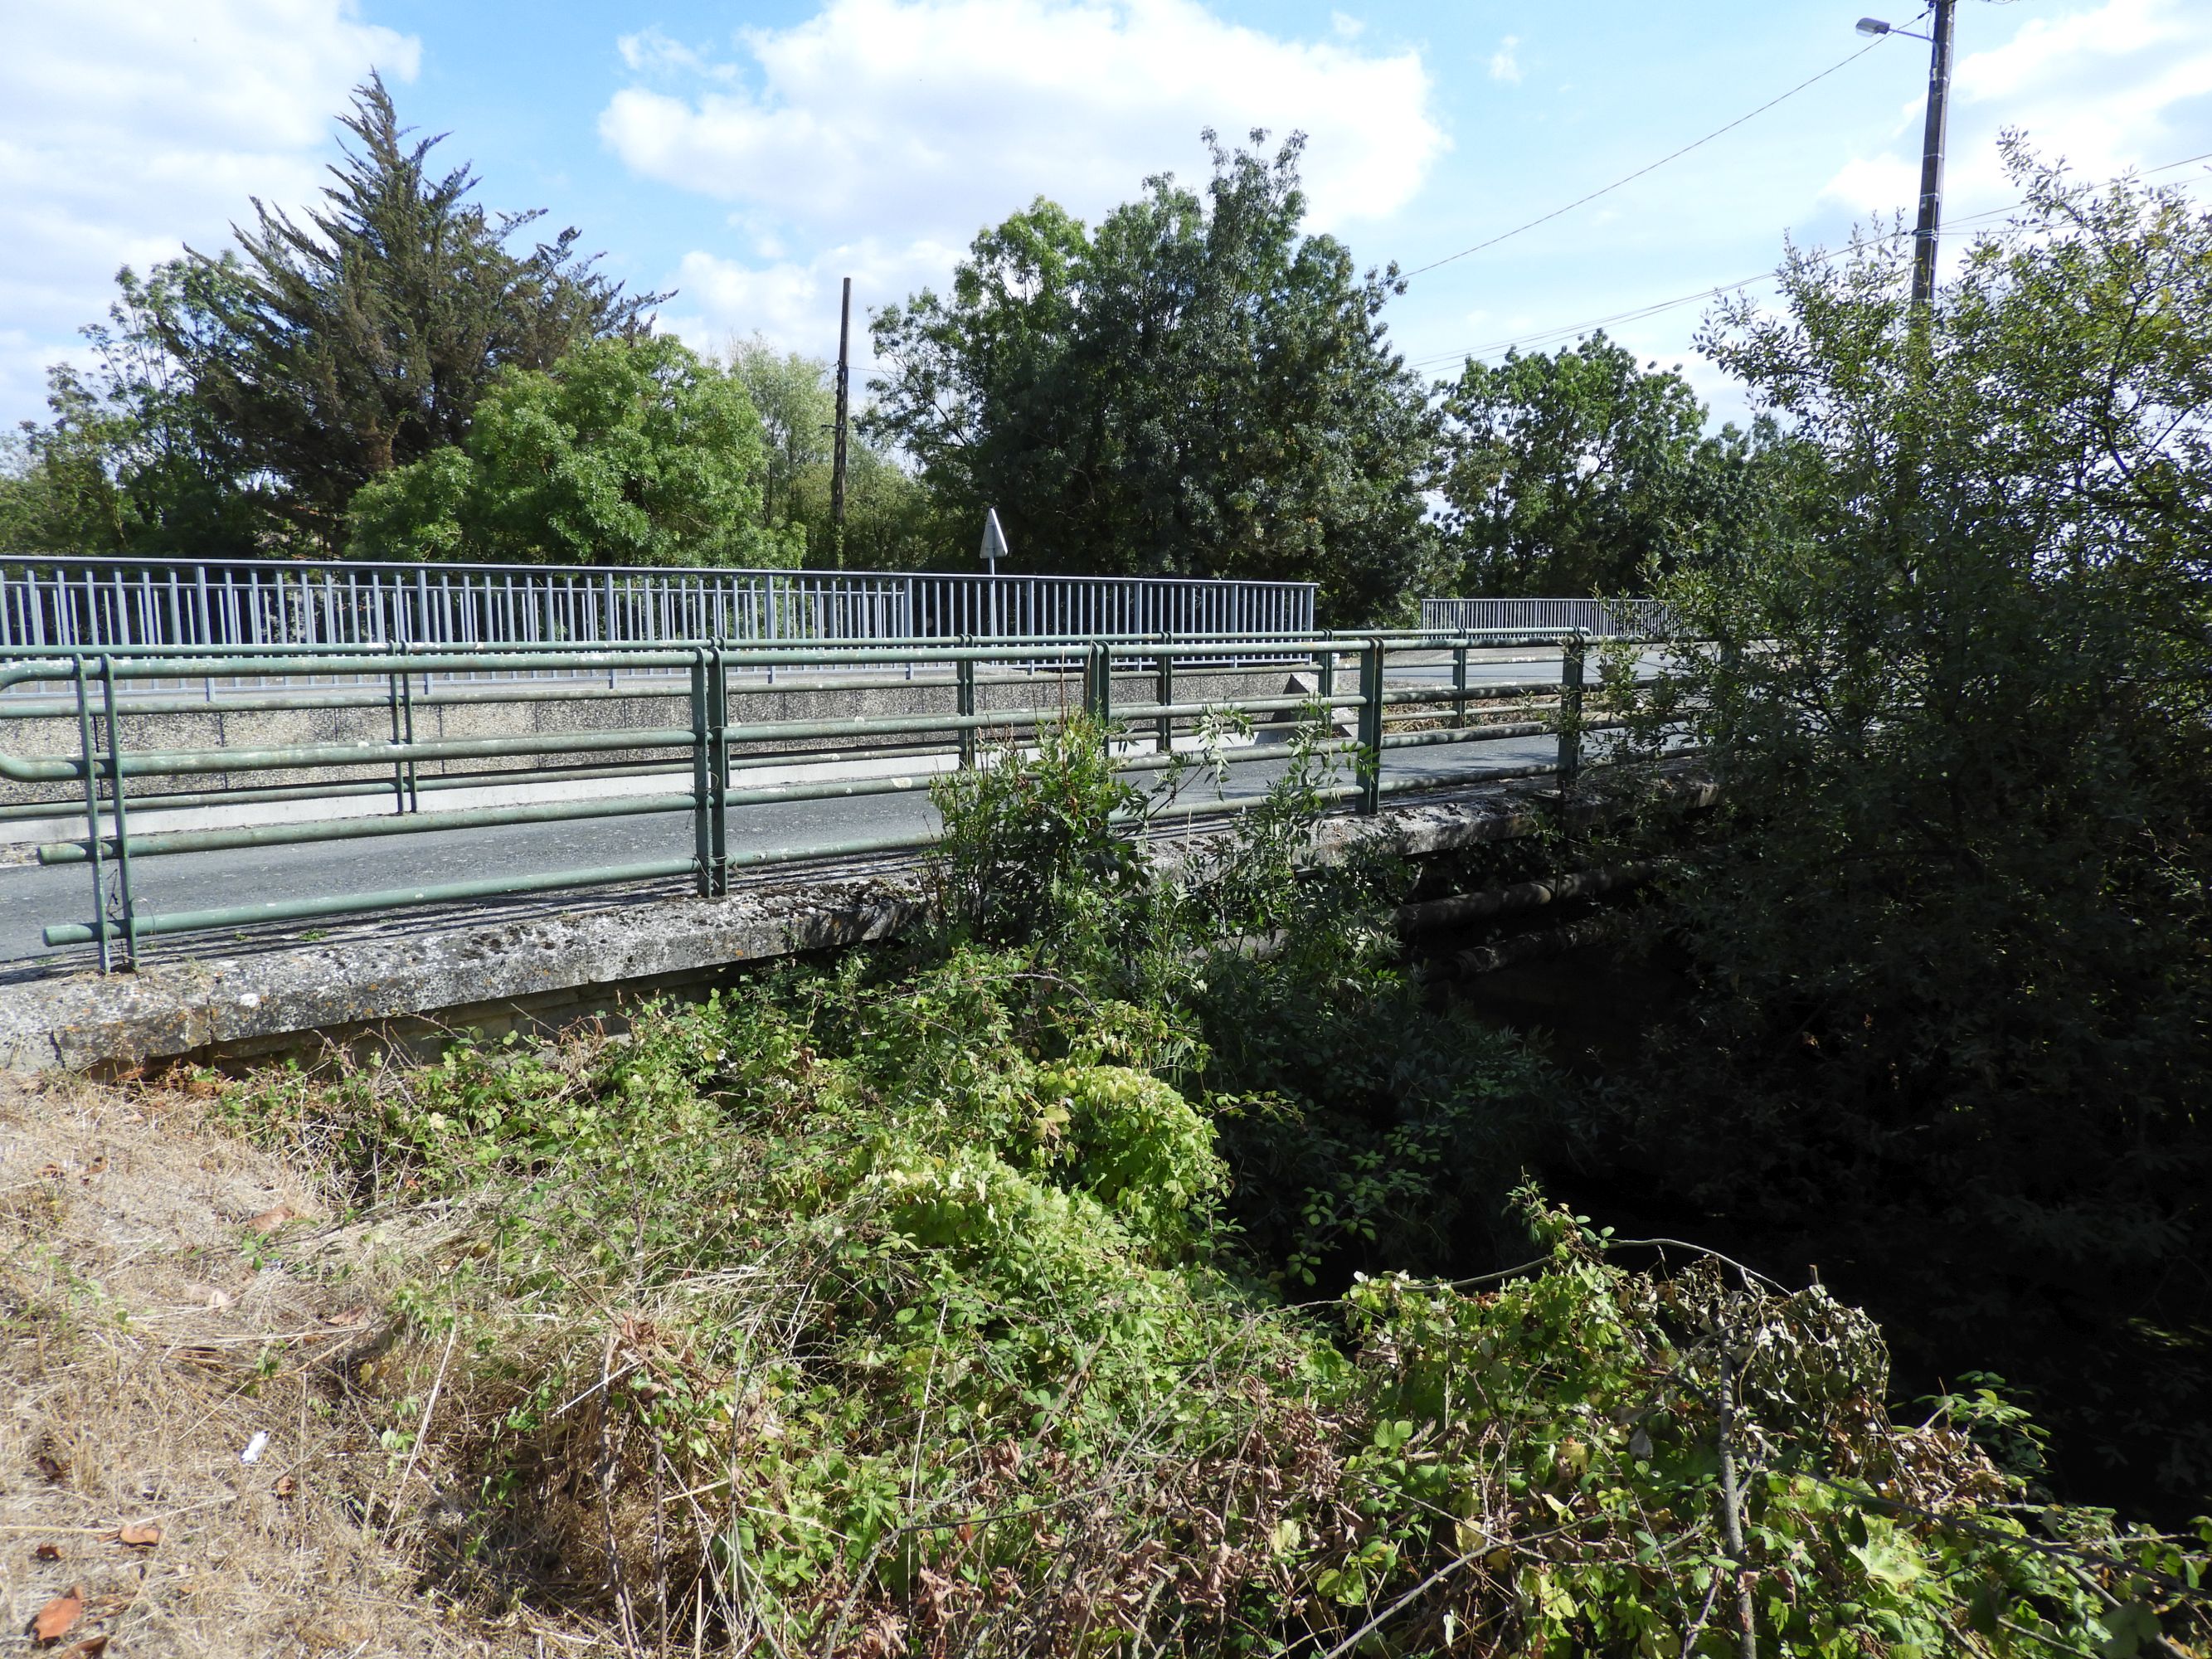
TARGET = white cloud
x,y
1871,184
128,127
793,303
891,130
2107,88
1504,66
901,119
1346,27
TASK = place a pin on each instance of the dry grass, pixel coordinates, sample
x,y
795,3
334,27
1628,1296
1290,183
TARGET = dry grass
x,y
149,1335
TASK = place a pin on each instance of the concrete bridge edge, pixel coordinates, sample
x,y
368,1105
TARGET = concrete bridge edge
x,y
558,960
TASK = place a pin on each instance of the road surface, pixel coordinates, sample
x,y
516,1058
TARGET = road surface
x,y
33,896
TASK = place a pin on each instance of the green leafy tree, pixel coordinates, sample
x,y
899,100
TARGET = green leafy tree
x,y
1195,388
56,493
1581,473
628,451
1951,921
797,408
131,461
332,349
891,521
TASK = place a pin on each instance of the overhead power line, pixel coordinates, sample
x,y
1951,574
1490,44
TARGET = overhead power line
x,y
1630,179
1563,330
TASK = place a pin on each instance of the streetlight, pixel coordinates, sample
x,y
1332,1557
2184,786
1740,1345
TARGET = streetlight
x,y
1931,145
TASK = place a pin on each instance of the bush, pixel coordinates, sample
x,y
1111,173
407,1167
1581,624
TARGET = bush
x,y
898,1308
1949,923
746,1340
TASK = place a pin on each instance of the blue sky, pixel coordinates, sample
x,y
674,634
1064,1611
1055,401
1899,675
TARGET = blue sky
x,y
750,154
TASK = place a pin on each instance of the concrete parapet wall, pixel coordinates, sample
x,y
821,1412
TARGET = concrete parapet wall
x,y
491,968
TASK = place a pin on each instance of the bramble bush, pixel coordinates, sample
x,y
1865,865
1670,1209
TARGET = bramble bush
x,y
901,1307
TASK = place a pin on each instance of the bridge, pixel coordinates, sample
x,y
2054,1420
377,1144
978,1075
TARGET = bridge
x,y
214,840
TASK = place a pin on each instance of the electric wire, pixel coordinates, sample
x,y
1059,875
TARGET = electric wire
x,y
1544,337
1630,179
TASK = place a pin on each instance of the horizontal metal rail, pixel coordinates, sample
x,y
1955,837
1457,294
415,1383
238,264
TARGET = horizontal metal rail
x,y
224,676
1370,716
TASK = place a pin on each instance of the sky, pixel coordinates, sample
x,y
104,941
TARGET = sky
x,y
749,155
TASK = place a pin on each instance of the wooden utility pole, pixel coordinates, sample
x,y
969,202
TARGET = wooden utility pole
x,y
837,459
1931,155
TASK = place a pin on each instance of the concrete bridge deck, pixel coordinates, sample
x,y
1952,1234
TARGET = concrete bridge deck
x,y
266,982
32,896
495,966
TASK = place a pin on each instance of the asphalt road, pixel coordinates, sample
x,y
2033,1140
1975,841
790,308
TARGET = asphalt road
x,y
33,896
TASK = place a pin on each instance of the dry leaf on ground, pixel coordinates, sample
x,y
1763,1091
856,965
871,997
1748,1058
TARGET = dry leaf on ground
x,y
139,1535
60,1616
269,1220
47,1553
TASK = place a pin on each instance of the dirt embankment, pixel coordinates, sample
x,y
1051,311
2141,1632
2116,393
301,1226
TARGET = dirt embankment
x,y
196,1373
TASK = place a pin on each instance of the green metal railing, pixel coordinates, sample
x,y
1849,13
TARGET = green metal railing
x,y
108,778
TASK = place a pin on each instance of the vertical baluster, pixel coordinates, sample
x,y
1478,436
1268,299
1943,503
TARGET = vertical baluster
x,y
1370,727
118,814
1571,714
86,752
964,700
702,826
718,715
1164,692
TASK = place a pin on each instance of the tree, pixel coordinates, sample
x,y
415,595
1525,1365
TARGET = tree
x,y
1581,473
1196,389
1953,922
131,461
332,349
791,395
628,451
891,522
55,495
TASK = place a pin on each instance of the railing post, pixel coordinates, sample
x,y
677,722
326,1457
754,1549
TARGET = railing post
x,y
964,700
1570,710
1370,728
718,717
1459,680
405,797
1165,693
121,820
85,752
1099,692
702,807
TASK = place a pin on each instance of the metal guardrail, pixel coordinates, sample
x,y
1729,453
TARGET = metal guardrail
x,y
696,757
1599,618
90,604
